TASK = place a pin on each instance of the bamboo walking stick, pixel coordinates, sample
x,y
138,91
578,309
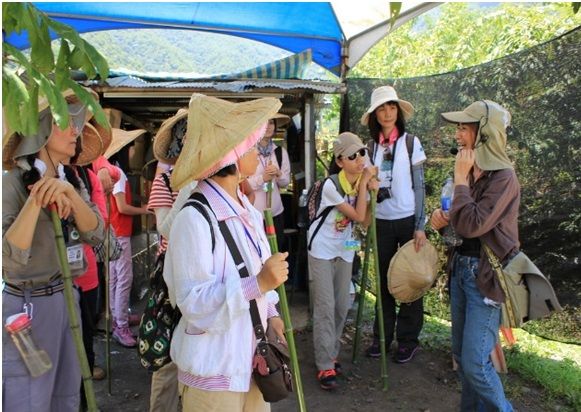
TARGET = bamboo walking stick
x,y
107,297
271,234
73,315
362,291
378,275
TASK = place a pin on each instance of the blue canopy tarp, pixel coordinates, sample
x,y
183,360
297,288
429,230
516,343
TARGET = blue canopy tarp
x,y
291,26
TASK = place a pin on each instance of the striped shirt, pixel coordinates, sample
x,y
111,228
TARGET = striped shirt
x,y
161,197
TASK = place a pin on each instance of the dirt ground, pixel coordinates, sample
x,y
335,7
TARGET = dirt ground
x,y
426,384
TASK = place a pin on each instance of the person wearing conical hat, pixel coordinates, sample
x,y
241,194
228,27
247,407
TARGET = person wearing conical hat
x,y
121,219
214,342
484,210
272,174
37,178
400,214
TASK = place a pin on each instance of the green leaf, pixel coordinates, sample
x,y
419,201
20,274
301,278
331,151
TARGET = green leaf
x,y
12,16
62,71
394,9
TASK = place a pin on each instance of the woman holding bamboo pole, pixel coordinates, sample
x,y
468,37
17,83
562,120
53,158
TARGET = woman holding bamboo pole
x,y
333,248
214,342
30,263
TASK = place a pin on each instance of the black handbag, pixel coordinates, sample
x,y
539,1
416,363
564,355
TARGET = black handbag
x,y
271,370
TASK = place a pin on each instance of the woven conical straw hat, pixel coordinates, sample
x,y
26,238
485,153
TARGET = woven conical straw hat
x,y
411,274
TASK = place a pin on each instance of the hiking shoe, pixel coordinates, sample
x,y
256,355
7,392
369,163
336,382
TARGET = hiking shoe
x,y
405,354
124,337
327,379
374,351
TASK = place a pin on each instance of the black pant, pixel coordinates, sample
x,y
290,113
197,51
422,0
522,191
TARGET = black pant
x,y
408,322
88,304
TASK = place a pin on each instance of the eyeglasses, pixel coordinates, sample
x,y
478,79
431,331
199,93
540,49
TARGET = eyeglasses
x,y
360,152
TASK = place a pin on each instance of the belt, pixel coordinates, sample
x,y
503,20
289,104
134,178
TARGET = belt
x,y
47,290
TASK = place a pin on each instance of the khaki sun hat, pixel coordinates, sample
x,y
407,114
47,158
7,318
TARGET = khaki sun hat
x,y
346,144
383,95
491,139
168,142
219,132
16,145
122,138
411,274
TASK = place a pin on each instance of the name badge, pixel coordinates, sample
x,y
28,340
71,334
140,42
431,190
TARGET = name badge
x,y
75,255
352,244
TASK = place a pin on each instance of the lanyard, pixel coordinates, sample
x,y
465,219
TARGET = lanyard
x,y
256,245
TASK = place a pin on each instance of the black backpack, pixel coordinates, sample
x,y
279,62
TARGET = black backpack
x,y
159,317
314,202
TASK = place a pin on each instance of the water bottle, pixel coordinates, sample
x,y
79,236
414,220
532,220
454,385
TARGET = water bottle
x,y
449,234
302,218
19,327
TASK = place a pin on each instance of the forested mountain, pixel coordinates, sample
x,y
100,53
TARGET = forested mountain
x,y
181,51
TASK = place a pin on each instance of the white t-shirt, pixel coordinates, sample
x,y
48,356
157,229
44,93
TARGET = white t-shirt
x,y
329,242
119,187
402,202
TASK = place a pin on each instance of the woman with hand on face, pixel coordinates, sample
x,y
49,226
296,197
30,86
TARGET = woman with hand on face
x,y
484,211
30,264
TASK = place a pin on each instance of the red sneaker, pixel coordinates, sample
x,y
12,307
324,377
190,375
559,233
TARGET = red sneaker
x,y
327,379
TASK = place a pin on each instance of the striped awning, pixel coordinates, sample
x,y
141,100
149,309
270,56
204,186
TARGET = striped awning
x,y
292,67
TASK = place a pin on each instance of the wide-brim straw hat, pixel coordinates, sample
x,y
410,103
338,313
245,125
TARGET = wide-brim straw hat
x,y
92,145
16,145
411,274
383,95
219,133
281,120
165,136
121,138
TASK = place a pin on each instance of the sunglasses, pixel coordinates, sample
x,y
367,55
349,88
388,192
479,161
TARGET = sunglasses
x,y
360,152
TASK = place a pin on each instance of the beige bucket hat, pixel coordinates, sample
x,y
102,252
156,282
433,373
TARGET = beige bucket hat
x,y
121,138
411,274
168,141
383,95
219,132
17,146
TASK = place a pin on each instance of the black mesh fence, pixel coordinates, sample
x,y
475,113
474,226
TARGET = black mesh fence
x,y
541,88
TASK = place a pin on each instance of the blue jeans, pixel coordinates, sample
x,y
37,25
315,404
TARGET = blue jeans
x,y
474,334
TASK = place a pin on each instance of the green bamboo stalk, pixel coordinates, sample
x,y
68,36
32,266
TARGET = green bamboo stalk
x,y
378,275
271,235
362,291
269,195
73,315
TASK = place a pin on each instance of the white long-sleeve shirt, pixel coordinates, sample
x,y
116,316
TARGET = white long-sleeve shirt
x,y
214,342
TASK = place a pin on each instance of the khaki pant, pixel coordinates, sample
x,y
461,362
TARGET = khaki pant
x,y
164,389
194,399
329,282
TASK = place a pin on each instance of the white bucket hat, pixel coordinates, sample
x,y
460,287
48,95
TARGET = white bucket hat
x,y
383,95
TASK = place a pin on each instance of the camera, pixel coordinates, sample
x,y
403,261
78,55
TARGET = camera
x,y
383,193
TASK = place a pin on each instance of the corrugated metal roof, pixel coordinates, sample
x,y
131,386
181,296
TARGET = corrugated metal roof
x,y
236,86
